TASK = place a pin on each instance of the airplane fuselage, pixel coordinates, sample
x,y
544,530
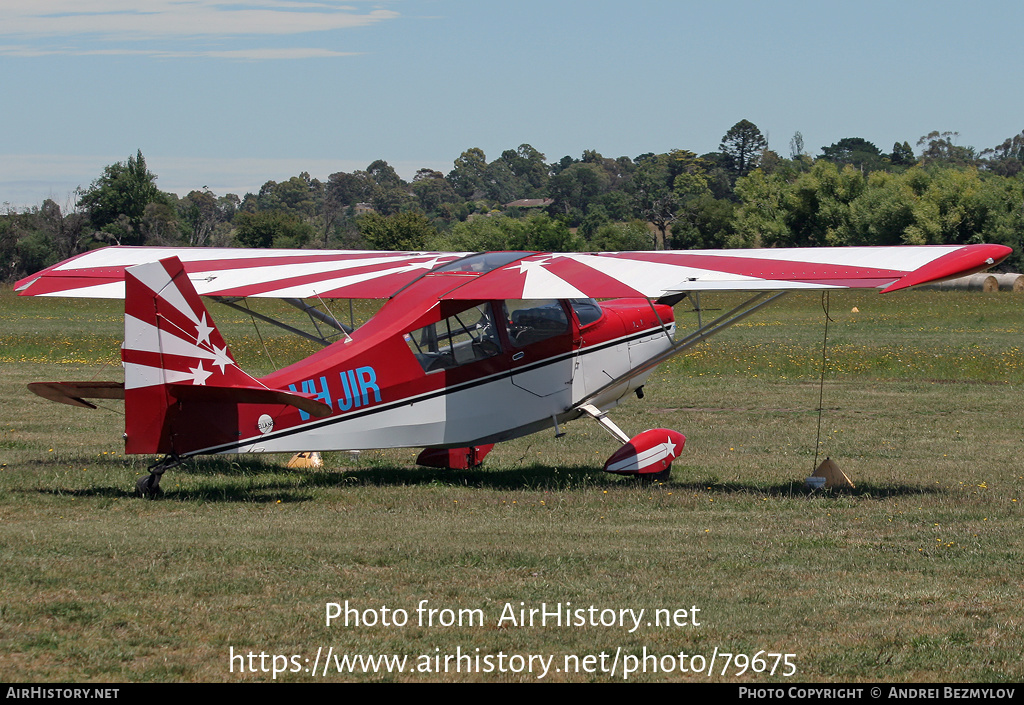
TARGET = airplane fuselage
x,y
436,373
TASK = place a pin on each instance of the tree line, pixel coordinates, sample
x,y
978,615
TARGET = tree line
x,y
743,195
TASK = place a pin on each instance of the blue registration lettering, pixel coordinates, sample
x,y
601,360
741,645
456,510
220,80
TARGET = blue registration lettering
x,y
345,402
353,386
368,381
309,387
357,385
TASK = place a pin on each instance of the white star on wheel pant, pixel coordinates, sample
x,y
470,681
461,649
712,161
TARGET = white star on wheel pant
x,y
669,447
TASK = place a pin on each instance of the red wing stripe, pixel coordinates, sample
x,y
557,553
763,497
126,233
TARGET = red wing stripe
x,y
380,287
503,283
357,274
55,284
592,281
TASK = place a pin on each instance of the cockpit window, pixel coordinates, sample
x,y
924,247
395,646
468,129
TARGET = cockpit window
x,y
533,320
482,262
466,337
587,310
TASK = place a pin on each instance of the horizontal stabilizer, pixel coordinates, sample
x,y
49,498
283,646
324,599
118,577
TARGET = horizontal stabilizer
x,y
249,395
75,393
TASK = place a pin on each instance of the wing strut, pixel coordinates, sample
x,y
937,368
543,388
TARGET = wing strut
x,y
316,314
737,314
230,303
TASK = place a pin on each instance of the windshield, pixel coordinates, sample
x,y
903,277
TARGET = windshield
x,y
482,262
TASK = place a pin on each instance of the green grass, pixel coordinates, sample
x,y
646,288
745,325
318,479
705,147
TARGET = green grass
x,y
912,576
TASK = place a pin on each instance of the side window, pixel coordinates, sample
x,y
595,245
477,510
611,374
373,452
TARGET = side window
x,y
587,311
466,337
533,320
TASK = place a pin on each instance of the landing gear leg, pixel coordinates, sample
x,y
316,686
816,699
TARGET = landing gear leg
x,y
149,485
651,478
648,455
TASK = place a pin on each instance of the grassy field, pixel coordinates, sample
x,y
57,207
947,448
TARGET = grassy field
x,y
912,576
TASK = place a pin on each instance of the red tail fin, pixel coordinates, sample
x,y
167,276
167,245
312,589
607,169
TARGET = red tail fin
x,y
182,385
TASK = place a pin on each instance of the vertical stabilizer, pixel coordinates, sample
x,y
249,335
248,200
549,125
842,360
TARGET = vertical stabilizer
x,y
170,345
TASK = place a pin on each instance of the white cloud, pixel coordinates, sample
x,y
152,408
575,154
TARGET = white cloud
x,y
251,54
184,18
75,26
258,54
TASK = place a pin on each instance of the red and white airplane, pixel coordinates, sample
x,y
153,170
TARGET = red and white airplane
x,y
468,350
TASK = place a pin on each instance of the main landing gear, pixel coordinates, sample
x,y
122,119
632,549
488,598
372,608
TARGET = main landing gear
x,y
649,454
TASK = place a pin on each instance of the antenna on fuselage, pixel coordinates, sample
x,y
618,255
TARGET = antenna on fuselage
x,y
351,317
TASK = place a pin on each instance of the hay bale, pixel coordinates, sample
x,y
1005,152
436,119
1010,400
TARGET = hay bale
x,y
1010,282
975,282
983,282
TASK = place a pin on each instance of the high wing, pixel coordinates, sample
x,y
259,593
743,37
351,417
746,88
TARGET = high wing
x,y
298,274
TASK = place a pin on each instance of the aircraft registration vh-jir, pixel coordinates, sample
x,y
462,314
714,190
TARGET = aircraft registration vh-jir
x,y
469,349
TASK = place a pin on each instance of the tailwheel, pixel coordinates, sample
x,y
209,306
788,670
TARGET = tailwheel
x,y
148,486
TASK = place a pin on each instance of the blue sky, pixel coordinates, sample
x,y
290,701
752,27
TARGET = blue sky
x,y
228,94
